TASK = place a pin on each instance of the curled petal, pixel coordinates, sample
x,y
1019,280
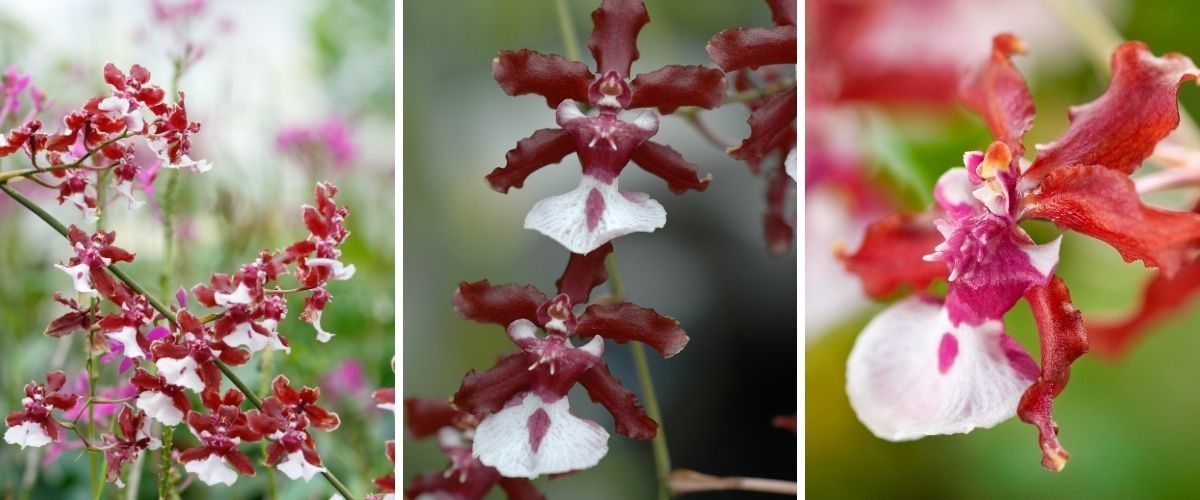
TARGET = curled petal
x,y
768,123
667,164
1120,128
498,304
1102,203
626,322
614,38
488,391
912,374
1162,298
544,147
584,272
424,416
739,48
603,388
673,86
550,76
892,254
783,12
997,91
1063,340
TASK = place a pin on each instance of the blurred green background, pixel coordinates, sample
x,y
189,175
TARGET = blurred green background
x,y
708,267
266,68
1130,425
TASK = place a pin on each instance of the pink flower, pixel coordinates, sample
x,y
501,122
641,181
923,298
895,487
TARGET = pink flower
x,y
331,137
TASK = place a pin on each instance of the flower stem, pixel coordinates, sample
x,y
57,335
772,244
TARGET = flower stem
x,y
567,29
689,481
166,480
264,386
168,204
662,456
164,310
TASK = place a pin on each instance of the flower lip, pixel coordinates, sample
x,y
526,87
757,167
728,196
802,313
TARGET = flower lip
x,y
610,92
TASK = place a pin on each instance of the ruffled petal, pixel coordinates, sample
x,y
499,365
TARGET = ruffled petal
x,y
534,437
1063,340
181,372
670,87
296,467
594,214
614,38
497,304
584,272
783,12
603,388
550,76
912,374
1103,203
750,48
544,147
668,165
766,124
626,322
892,255
997,91
424,416
487,392
1121,128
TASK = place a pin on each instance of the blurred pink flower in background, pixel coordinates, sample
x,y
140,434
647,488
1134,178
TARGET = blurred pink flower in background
x,y
330,137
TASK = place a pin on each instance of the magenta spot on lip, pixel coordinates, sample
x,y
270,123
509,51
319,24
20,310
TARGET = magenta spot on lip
x,y
594,208
1019,359
538,424
947,351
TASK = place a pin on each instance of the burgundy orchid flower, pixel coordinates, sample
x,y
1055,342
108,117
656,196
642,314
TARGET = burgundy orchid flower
x,y
34,425
187,359
466,476
92,255
284,420
217,460
159,399
927,366
596,212
134,437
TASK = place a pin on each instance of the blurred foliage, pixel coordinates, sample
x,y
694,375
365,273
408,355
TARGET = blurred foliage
x,y
1129,424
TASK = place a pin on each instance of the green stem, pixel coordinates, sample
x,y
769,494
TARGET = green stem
x,y
164,310
264,386
567,29
93,463
168,204
662,455
166,480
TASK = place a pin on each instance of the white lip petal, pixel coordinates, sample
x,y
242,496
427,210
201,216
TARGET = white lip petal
x,y
593,214
212,471
127,336
337,269
505,440
296,467
80,276
181,372
160,407
789,165
27,434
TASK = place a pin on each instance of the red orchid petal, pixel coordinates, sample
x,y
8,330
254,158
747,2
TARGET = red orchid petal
x,y
603,388
424,416
240,462
429,483
626,322
1162,297
487,392
778,225
1102,203
1063,339
517,488
234,356
282,388
500,304
614,38
666,163
321,418
891,255
783,11
550,76
670,87
545,147
193,454
997,91
117,254
63,400
274,453
766,124
114,76
55,380
584,272
738,48
1121,127
67,324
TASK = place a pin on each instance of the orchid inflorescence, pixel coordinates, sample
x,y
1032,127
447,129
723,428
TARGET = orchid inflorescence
x,y
170,356
929,365
512,422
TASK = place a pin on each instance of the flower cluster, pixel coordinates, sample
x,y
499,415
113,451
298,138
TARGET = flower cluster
x,y
928,366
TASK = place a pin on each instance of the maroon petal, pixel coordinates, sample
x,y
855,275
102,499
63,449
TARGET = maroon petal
x,y
193,454
783,12
997,91
1162,298
487,392
240,462
519,488
321,418
548,75
631,420
1120,128
778,225
738,48
1063,339
670,87
1102,203
626,322
766,123
891,255
584,272
424,416
499,304
67,324
429,483
544,147
666,163
614,38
